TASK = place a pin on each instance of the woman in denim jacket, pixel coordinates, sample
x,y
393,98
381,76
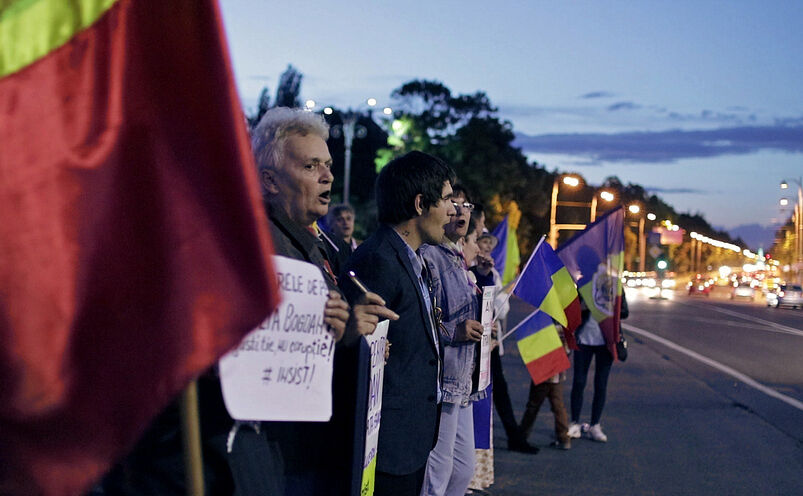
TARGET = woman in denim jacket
x,y
451,463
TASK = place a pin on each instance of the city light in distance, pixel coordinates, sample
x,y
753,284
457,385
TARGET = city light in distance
x,y
328,111
309,104
651,216
571,181
371,102
607,196
634,209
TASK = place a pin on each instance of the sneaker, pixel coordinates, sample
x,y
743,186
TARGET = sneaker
x,y
574,431
561,445
596,434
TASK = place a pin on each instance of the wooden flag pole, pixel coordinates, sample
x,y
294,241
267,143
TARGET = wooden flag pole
x,y
191,436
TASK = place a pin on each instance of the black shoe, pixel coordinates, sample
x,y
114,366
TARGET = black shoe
x,y
522,447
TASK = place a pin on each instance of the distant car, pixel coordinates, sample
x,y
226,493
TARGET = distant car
x,y
743,291
699,287
790,295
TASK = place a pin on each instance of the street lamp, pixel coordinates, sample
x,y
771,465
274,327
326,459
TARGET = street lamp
x,y
351,129
572,182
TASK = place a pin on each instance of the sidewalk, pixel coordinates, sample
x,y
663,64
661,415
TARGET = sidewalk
x,y
668,431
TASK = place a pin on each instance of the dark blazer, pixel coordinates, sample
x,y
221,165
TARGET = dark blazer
x,y
409,424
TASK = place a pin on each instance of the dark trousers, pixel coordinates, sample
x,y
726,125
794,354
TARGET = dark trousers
x,y
502,399
582,361
538,393
387,484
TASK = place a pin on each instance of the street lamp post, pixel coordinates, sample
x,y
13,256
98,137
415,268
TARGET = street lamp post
x,y
572,182
798,223
350,129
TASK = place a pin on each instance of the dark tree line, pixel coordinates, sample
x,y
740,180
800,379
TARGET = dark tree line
x,y
466,131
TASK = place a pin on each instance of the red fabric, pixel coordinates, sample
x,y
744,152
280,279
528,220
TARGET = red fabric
x,y
134,246
574,317
548,365
610,327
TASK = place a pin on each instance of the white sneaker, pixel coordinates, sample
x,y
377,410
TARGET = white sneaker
x,y
596,434
574,431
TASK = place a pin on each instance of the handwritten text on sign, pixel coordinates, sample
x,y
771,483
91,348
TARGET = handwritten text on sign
x,y
378,343
282,370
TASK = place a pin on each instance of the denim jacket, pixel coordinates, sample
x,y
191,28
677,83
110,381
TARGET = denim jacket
x,y
456,296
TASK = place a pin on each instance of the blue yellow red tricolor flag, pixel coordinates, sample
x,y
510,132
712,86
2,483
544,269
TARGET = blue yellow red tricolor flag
x,y
135,249
594,258
540,347
546,284
506,252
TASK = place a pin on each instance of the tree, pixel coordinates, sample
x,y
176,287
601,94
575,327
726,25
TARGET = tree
x,y
289,88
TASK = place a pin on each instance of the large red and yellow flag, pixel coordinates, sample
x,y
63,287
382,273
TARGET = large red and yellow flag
x,y
134,246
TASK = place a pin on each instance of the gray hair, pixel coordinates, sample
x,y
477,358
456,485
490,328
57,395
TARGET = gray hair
x,y
278,124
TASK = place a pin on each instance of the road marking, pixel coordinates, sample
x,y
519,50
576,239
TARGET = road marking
x,y
767,323
719,366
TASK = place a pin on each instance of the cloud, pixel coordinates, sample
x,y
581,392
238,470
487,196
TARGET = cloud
x,y
623,106
597,94
693,191
666,146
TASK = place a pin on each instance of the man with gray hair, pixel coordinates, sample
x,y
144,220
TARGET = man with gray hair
x,y
294,167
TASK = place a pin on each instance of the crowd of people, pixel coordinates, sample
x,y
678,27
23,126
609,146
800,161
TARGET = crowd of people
x,y
424,268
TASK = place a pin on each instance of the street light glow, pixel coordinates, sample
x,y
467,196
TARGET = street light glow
x,y
371,102
784,202
651,216
607,196
387,110
571,181
328,110
784,185
634,209
309,104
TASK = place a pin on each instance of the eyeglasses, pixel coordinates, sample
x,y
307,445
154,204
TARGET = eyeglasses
x,y
465,205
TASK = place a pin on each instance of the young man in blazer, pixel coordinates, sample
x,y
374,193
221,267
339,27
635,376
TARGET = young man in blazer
x,y
413,195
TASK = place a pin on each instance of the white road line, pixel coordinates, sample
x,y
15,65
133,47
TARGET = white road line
x,y
719,366
767,323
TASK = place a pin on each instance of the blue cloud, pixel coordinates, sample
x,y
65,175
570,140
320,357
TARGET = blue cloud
x,y
667,146
597,94
623,106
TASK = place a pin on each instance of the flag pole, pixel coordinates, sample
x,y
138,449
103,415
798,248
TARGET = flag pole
x,y
518,279
508,333
191,438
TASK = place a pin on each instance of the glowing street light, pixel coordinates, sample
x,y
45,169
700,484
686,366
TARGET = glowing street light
x,y
309,105
607,196
634,209
784,202
651,216
571,181
328,110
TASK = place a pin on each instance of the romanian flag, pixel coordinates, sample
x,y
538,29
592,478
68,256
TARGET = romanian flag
x,y
506,252
594,258
540,347
546,284
135,249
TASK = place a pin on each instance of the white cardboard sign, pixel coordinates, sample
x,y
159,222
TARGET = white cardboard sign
x,y
282,370
378,342
486,320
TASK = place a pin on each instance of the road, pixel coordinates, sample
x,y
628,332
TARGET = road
x,y
710,401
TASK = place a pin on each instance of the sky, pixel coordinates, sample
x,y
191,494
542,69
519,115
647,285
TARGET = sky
x,y
700,102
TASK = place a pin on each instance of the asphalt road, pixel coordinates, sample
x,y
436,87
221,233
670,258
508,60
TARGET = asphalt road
x,y
710,401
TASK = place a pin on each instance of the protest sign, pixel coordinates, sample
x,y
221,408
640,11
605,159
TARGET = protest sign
x,y
486,319
378,343
282,370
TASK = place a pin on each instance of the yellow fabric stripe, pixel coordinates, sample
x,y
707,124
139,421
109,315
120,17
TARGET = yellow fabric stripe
x,y
553,307
30,29
563,284
539,344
